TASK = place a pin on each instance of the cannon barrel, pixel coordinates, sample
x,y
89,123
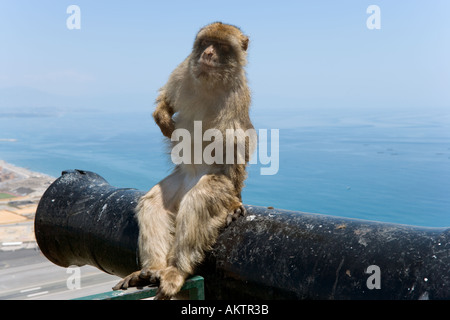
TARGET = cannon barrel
x,y
81,219
267,254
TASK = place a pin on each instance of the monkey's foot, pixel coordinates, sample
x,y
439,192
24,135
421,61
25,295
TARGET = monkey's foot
x,y
171,282
137,279
232,216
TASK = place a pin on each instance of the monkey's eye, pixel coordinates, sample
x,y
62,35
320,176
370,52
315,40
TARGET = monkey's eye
x,y
225,47
205,43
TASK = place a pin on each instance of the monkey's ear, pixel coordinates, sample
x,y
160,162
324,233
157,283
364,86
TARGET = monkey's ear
x,y
244,43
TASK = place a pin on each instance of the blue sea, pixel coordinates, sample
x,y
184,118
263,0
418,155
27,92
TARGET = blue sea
x,y
384,165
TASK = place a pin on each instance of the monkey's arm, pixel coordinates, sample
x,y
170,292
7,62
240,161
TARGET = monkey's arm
x,y
163,116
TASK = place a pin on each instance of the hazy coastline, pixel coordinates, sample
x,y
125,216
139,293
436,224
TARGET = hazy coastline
x,y
20,192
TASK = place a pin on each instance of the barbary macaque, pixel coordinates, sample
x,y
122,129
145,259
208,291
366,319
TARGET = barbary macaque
x,y
180,218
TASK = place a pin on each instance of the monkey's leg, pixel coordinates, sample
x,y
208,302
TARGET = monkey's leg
x,y
237,171
156,228
203,211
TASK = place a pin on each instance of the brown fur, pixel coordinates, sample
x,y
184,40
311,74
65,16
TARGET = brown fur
x,y
180,218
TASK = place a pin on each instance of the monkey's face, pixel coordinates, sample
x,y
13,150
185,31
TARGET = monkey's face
x,y
214,55
214,60
219,53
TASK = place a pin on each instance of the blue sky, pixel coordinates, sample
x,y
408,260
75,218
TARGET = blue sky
x,y
303,54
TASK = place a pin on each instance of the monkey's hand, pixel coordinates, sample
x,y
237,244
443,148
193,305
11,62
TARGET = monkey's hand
x,y
163,118
232,216
136,279
167,126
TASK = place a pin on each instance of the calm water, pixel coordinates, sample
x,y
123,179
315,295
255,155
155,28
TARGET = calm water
x,y
385,166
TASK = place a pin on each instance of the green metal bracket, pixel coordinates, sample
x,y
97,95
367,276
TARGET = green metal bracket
x,y
194,285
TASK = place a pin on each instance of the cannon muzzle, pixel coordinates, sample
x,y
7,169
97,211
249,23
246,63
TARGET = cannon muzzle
x,y
82,219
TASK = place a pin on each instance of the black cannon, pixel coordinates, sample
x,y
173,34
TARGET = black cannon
x,y
267,254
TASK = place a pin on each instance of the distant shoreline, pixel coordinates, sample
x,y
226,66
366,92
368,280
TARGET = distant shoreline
x,y
20,189
20,170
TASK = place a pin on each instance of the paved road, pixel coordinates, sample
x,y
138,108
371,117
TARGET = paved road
x,y
25,274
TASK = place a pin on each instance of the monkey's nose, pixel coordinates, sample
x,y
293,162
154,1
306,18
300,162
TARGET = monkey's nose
x,y
209,51
208,56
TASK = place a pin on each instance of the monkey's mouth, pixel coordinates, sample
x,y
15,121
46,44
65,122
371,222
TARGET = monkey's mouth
x,y
208,65
206,69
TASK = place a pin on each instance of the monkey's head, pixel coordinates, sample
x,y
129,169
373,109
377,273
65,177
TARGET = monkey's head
x,y
219,53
